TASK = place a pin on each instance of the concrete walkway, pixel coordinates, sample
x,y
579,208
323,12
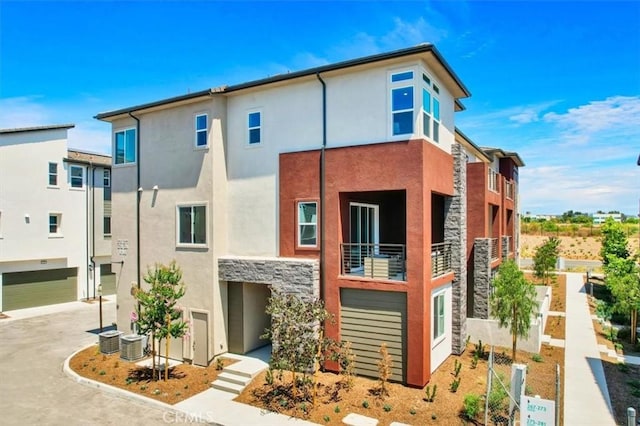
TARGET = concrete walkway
x,y
586,397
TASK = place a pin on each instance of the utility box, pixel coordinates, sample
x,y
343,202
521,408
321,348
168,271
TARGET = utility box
x,y
110,341
131,347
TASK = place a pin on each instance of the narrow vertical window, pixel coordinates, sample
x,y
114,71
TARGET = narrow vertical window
x,y
308,224
125,147
426,112
77,176
255,128
402,103
53,174
106,223
54,223
106,185
436,120
201,130
438,315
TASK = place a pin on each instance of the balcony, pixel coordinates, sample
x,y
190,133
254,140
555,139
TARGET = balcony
x,y
494,249
493,180
375,261
440,259
510,189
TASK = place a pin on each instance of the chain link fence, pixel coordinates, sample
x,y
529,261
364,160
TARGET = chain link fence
x,y
502,405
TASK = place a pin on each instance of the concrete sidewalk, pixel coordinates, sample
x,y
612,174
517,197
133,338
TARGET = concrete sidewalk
x,y
586,397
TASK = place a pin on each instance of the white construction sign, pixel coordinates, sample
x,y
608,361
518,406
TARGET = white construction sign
x,y
537,411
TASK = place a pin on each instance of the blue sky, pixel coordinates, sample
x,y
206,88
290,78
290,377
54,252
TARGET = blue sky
x,y
558,82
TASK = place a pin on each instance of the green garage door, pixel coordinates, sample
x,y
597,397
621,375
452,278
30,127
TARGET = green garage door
x,y
369,318
37,288
107,279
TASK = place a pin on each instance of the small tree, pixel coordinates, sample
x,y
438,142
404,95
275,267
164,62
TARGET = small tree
x,y
513,302
157,313
384,369
614,242
623,279
545,259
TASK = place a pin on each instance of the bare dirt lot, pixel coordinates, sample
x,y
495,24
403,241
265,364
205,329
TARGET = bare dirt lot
x,y
583,248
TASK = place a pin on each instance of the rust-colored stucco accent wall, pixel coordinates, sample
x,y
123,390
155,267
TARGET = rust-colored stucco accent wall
x,y
416,167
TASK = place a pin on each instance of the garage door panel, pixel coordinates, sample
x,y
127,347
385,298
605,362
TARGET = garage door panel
x,y
38,288
107,279
367,319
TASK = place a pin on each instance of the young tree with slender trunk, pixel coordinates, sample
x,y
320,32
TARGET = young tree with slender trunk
x,y
623,279
545,259
513,302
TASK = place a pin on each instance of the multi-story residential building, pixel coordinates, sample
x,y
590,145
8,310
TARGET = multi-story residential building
x,y
347,182
54,219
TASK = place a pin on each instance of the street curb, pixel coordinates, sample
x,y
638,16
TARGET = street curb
x,y
114,390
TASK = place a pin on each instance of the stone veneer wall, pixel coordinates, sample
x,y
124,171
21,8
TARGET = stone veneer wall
x,y
455,233
288,275
505,246
481,277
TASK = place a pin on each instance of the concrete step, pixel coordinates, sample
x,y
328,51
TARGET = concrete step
x,y
354,419
234,378
247,368
227,386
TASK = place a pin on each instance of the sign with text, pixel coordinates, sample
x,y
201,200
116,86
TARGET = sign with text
x,y
122,246
537,411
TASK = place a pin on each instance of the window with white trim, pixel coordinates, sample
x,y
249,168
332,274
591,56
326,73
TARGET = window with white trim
x,y
438,315
402,103
307,224
125,146
106,185
77,176
53,174
202,126
436,120
55,224
106,226
254,123
192,224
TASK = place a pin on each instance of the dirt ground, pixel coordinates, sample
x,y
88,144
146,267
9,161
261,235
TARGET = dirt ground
x,y
184,380
403,404
585,248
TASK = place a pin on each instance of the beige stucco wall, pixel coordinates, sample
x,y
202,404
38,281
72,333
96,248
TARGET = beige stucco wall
x,y
182,174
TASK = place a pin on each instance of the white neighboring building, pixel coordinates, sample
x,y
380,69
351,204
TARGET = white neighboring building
x,y
600,218
52,201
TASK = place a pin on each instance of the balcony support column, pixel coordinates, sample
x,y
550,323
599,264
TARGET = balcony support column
x,y
455,233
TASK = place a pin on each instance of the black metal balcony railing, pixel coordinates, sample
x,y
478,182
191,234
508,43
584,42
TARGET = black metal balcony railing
x,y
494,249
381,261
440,259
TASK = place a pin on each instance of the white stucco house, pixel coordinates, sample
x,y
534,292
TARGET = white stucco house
x,y
55,219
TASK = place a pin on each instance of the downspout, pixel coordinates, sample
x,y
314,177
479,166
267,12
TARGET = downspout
x,y
93,224
86,222
138,196
322,184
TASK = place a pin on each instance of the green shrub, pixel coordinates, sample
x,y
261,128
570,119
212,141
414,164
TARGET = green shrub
x,y
472,406
536,357
365,403
453,386
337,409
326,419
430,393
386,407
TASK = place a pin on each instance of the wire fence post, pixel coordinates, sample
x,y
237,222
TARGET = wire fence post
x,y
486,399
557,394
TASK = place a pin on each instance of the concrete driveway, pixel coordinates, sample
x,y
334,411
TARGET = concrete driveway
x,y
33,387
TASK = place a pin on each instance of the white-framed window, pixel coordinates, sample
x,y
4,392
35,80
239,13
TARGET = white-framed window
x,y
438,309
191,224
254,128
402,103
430,109
202,127
77,176
426,113
106,185
307,223
55,224
106,226
125,146
436,119
53,174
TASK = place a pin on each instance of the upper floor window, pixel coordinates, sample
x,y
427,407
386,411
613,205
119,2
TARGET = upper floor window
x,y
401,104
201,130
55,224
106,184
125,146
436,120
426,113
192,225
77,176
307,224
255,127
53,174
